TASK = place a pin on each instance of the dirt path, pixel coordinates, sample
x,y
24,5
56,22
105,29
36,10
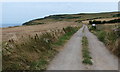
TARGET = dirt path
x,y
70,58
103,59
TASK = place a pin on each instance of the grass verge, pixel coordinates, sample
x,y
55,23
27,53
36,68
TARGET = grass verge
x,y
66,36
85,51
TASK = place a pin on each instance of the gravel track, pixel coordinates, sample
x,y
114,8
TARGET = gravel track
x,y
70,57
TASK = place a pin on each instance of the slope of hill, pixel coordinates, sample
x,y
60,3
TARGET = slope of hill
x,y
72,17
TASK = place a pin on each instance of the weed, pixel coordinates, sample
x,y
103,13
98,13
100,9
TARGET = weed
x,y
87,61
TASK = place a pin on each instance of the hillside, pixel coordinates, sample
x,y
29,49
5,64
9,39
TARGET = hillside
x,y
72,17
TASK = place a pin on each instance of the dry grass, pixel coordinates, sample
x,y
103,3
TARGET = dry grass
x,y
16,32
106,19
102,19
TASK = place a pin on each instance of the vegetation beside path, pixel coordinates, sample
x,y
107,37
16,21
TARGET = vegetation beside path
x,y
36,52
109,35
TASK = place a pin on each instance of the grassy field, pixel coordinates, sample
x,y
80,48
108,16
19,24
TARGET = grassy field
x,y
25,31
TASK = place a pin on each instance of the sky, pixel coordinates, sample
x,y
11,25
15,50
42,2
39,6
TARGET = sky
x,y
59,0
16,13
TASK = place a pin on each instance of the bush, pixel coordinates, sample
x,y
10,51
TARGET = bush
x,y
103,22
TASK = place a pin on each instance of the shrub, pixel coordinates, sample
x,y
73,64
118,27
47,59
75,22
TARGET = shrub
x,y
103,22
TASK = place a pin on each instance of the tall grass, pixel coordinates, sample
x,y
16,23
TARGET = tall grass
x,y
101,35
36,51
